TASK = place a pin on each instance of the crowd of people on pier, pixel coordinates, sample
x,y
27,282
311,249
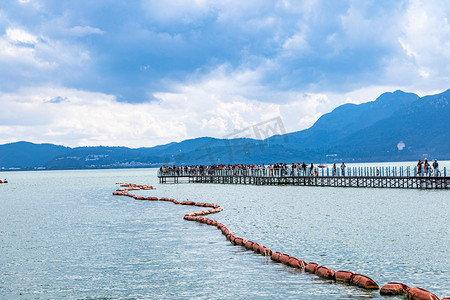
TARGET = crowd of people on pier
x,y
423,168
278,169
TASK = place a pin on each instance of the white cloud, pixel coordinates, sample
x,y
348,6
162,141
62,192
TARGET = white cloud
x,y
17,35
184,11
78,118
296,43
213,106
423,62
29,59
84,118
18,47
84,30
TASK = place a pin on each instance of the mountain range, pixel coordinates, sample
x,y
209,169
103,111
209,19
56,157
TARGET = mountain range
x,y
396,126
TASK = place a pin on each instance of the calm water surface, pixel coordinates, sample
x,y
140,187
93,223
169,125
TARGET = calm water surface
x,y
63,235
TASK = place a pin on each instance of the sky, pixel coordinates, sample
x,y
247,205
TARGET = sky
x,y
146,72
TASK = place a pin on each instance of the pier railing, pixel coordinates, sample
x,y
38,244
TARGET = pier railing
x,y
382,177
350,171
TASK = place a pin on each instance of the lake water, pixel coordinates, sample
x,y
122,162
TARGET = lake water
x,y
64,235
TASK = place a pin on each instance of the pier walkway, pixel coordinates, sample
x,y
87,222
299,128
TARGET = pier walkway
x,y
378,179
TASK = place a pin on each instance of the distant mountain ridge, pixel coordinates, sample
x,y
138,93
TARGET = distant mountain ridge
x,y
28,155
369,131
350,118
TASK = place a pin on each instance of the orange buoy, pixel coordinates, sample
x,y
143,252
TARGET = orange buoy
x,y
284,258
276,256
266,251
239,241
256,247
393,288
364,282
417,293
325,272
248,245
263,250
296,262
232,237
344,276
293,262
311,267
188,203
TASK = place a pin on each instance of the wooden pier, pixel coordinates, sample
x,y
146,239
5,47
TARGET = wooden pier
x,y
404,182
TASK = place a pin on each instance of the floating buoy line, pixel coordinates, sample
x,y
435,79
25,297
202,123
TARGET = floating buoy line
x,y
346,277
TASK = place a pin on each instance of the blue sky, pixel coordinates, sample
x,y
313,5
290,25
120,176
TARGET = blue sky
x,y
142,73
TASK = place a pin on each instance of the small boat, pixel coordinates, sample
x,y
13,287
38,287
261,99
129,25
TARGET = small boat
x,y
3,181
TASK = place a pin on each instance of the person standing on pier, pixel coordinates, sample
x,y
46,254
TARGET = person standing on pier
x,y
343,169
304,168
426,167
419,167
334,169
436,168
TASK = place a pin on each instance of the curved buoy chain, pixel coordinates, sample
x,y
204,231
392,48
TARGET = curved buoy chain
x,y
347,277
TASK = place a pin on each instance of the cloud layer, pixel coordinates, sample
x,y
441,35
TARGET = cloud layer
x,y
147,72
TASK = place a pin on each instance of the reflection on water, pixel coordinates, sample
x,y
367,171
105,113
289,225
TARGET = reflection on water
x,y
63,234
